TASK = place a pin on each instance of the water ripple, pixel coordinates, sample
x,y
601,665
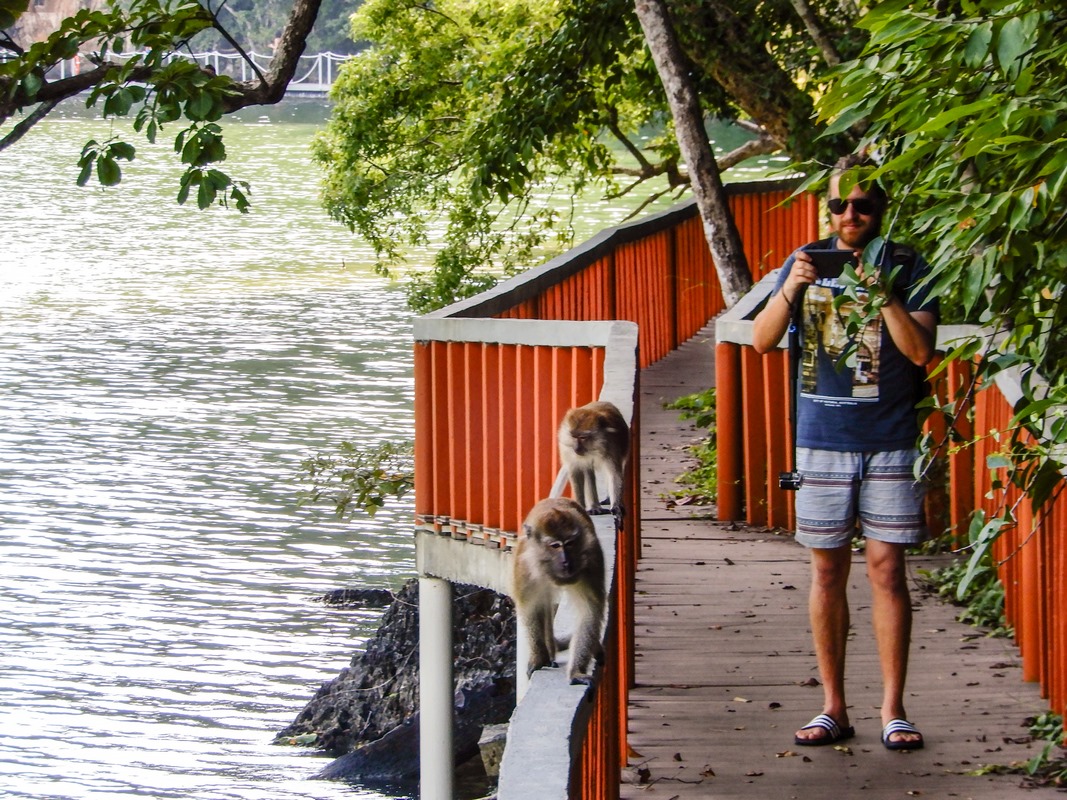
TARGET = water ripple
x,y
158,583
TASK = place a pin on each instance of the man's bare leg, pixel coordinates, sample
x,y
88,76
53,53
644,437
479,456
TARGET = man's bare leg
x,y
891,611
828,609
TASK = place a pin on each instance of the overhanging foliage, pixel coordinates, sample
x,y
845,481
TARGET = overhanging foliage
x,y
966,108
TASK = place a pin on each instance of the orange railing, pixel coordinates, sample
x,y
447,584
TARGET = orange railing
x,y
657,272
489,379
488,402
1031,554
752,393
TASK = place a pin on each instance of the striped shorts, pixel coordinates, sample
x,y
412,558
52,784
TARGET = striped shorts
x,y
877,490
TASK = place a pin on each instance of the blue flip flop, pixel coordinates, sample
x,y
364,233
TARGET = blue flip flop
x,y
901,726
834,732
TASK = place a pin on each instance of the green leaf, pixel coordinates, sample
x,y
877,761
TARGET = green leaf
x,y
199,107
11,10
1033,411
947,117
1011,44
118,104
123,150
997,461
982,535
86,163
108,171
31,84
205,195
978,44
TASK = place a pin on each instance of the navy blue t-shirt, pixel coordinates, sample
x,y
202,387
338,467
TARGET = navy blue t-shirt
x,y
864,400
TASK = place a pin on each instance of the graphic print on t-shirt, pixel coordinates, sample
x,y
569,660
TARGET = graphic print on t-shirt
x,y
831,370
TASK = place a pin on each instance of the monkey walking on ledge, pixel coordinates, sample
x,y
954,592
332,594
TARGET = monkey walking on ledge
x,y
558,552
595,438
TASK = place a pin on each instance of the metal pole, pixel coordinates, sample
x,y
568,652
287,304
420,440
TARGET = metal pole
x,y
435,689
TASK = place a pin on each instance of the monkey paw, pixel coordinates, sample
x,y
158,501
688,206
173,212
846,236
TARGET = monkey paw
x,y
581,680
533,667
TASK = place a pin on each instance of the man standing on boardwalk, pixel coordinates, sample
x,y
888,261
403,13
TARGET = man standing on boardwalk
x,y
856,432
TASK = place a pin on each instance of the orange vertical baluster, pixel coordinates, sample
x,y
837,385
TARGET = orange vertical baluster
x,y
728,426
755,437
476,425
424,432
443,478
492,438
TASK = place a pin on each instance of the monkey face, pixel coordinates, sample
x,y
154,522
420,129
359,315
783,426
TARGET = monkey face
x,y
559,543
566,556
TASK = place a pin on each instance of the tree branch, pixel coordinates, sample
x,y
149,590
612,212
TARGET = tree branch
x,y
754,147
233,42
270,89
817,32
24,125
631,148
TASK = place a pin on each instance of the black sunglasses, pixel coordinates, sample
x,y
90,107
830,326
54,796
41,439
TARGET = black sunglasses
x,y
862,205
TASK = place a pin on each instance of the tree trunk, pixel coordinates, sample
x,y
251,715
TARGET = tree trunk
x,y
719,229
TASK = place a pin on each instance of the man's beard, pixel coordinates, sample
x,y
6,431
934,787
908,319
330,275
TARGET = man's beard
x,y
861,237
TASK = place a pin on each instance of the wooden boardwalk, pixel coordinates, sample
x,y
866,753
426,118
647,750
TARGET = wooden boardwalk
x,y
726,673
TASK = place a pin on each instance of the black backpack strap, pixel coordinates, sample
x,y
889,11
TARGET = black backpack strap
x,y
795,351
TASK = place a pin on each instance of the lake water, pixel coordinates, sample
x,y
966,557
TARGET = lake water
x,y
163,373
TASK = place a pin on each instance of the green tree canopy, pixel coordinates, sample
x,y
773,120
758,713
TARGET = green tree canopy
x,y
454,119
140,68
965,104
460,117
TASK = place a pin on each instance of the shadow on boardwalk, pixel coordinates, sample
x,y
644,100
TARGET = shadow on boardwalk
x,y
726,673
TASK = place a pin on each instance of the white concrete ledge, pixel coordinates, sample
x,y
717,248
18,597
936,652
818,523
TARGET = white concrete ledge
x,y
547,728
458,561
533,332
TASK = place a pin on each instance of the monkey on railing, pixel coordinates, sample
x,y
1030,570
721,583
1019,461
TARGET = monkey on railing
x,y
558,552
595,438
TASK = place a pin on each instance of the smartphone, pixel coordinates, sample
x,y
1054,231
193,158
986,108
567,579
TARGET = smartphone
x,y
830,263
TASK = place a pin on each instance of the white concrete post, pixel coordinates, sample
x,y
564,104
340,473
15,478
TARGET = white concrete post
x,y
522,658
435,689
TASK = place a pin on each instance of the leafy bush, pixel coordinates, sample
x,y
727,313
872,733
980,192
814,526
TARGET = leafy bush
x,y
982,598
355,479
703,479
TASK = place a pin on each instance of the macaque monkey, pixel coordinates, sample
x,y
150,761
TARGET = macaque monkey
x,y
558,552
595,438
